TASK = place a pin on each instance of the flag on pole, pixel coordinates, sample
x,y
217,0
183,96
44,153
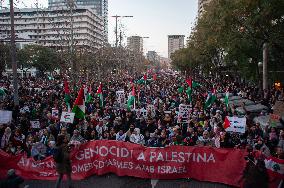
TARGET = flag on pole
x,y
67,97
189,92
100,95
89,97
145,77
180,89
211,97
189,82
79,105
131,99
227,99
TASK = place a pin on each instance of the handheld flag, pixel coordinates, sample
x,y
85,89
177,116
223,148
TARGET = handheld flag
x,y
100,95
67,97
79,105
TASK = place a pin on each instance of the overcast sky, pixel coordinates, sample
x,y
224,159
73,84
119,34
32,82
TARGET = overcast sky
x,y
155,19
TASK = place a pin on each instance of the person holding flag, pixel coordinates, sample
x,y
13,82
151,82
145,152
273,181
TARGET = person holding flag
x,y
100,95
67,97
79,105
131,99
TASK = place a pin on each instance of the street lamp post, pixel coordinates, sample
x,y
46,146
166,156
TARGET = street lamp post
x,y
13,55
264,66
116,27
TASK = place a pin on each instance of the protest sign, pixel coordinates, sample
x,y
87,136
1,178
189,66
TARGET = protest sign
x,y
67,117
35,124
183,113
55,113
5,116
235,124
274,119
151,109
120,97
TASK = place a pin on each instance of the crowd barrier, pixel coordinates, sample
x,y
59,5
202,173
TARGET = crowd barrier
x,y
127,159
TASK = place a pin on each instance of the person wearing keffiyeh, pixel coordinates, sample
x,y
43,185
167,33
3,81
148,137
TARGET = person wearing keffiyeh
x,y
6,138
77,137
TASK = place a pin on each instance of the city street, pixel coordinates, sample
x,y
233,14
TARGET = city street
x,y
113,181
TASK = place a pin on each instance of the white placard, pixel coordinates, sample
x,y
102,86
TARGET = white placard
x,y
183,114
237,124
35,124
120,97
5,116
67,117
55,113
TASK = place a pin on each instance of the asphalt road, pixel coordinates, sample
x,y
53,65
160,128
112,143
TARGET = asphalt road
x,y
113,181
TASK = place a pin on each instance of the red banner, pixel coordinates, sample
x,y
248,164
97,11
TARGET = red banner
x,y
126,159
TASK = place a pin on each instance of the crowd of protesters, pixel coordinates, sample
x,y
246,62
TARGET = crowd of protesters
x,y
38,96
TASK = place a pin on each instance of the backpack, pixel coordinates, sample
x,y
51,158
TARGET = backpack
x,y
58,155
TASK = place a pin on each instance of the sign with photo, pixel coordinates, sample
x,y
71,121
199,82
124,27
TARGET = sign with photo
x,y
151,109
183,114
120,97
67,117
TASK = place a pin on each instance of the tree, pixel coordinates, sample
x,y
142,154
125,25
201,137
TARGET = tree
x,y
4,57
40,57
232,33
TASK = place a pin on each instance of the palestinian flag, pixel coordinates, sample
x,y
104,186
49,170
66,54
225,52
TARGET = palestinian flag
x,y
89,97
192,84
180,89
100,95
211,97
275,167
131,99
189,82
67,97
226,100
189,92
79,105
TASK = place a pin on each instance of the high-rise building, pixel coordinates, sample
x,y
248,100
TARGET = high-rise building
x,y
175,42
135,43
52,28
153,56
100,6
201,5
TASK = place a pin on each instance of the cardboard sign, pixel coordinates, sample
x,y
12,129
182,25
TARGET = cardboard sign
x,y
120,97
55,113
237,124
183,114
5,116
35,124
67,117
